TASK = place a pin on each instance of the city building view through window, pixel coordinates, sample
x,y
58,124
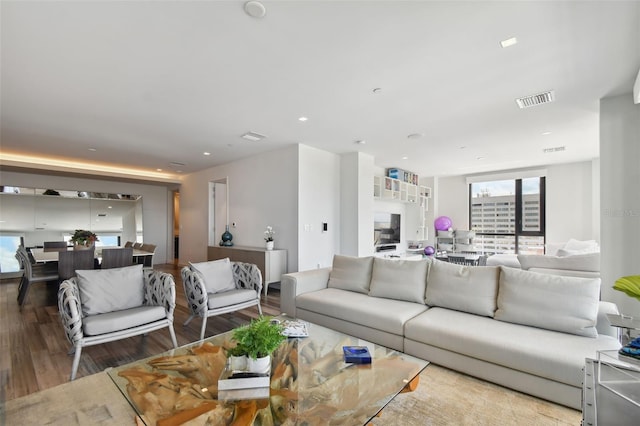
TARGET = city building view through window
x,y
508,215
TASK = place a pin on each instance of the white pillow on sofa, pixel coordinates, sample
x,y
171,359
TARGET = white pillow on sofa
x,y
470,289
579,262
351,273
399,279
216,274
552,302
108,290
587,246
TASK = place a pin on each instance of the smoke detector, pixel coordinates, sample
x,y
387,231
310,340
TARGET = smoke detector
x,y
253,136
537,99
255,9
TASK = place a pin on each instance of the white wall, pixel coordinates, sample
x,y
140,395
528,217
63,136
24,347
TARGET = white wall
x,y
318,196
263,190
156,202
569,202
356,204
620,196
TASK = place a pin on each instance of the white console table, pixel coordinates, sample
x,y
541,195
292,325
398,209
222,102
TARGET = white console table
x,y
272,263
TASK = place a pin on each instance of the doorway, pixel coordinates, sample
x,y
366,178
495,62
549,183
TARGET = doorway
x,y
218,209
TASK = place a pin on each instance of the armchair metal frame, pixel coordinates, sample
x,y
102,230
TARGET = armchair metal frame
x,y
246,276
159,290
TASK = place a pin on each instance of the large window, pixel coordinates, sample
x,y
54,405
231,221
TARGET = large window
x,y
508,216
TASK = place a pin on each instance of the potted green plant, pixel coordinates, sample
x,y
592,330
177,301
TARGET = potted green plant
x,y
83,239
258,340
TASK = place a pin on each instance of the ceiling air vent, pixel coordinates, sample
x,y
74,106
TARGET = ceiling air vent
x,y
253,136
538,99
554,149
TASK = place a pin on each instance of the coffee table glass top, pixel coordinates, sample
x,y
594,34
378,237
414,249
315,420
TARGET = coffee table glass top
x,y
310,383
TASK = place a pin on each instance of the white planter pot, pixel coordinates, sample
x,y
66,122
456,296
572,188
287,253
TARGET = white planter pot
x,y
260,365
239,363
269,245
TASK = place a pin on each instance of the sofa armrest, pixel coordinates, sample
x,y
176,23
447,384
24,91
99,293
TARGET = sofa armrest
x,y
70,310
160,290
603,325
247,276
293,284
195,291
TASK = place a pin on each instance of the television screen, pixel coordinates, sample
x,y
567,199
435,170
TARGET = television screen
x,y
386,228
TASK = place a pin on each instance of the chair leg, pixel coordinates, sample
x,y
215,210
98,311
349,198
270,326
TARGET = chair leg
x,y
259,309
188,320
204,326
76,362
24,291
173,336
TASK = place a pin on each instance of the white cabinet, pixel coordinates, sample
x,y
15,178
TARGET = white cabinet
x,y
455,241
272,263
391,189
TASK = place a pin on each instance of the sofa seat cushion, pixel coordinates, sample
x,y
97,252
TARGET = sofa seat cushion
x,y
382,314
121,320
399,279
550,354
228,298
463,288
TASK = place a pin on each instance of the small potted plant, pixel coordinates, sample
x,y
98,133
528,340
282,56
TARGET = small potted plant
x,y
258,340
83,239
268,237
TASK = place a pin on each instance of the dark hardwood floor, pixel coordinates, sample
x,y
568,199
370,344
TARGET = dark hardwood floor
x,y
34,349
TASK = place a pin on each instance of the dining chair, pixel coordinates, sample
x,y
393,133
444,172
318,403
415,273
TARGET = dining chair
x,y
128,244
147,261
458,260
55,245
137,245
73,260
116,257
31,275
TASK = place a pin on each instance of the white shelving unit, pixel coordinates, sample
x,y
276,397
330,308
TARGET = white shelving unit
x,y
456,241
390,189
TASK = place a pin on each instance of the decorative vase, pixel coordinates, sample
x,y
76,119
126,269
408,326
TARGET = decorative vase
x,y
259,365
269,245
226,237
83,246
239,363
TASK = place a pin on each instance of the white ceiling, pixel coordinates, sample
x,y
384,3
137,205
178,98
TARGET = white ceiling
x,y
149,83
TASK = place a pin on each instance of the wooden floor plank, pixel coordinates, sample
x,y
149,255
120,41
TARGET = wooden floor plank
x,y
34,348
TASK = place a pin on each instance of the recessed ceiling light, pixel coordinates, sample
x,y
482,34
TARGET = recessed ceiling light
x,y
302,119
509,42
479,158
253,136
377,90
92,149
415,135
158,170
255,9
546,133
206,153
463,147
405,158
109,207
361,142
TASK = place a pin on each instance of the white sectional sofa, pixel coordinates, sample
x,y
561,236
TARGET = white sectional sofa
x,y
528,331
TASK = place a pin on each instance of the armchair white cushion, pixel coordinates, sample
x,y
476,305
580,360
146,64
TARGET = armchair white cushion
x,y
217,275
154,312
247,280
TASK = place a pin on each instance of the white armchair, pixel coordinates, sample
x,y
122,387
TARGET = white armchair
x,y
247,282
100,306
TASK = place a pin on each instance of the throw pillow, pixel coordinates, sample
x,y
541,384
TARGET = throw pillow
x,y
216,274
552,302
399,279
351,273
470,289
587,246
108,290
578,262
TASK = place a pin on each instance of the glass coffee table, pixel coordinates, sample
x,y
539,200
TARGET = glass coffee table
x,y
310,383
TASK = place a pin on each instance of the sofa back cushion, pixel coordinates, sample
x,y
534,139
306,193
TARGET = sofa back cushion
x,y
351,273
399,279
109,290
470,289
553,302
579,262
216,274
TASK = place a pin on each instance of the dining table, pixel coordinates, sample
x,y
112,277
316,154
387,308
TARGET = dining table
x,y
41,255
